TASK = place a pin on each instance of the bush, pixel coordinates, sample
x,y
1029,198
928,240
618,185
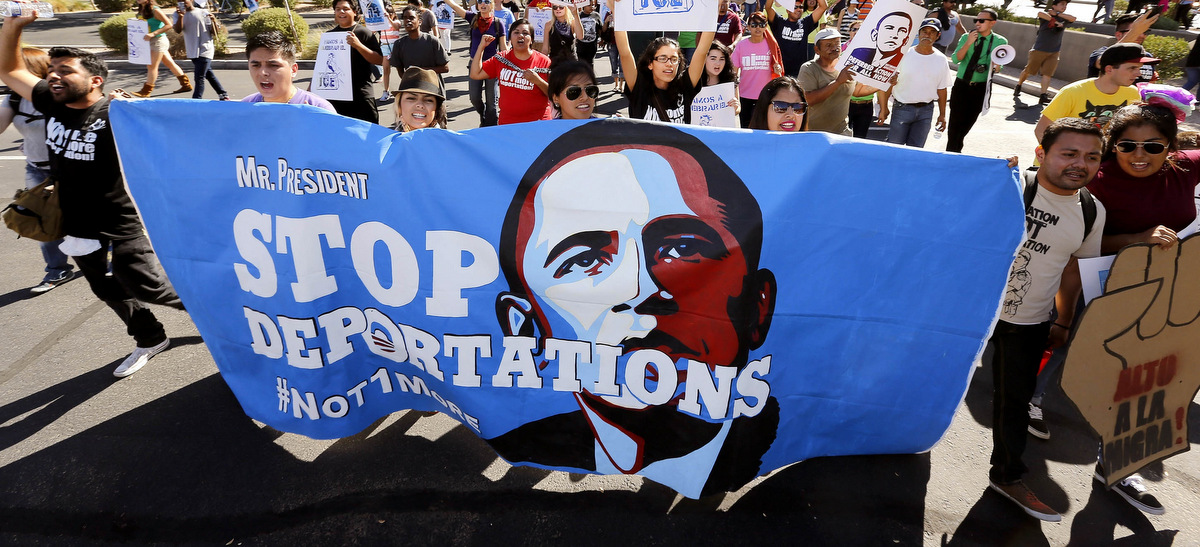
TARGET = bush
x,y
1165,23
64,6
113,32
1173,51
314,40
268,19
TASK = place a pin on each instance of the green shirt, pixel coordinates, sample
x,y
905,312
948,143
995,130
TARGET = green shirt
x,y
990,42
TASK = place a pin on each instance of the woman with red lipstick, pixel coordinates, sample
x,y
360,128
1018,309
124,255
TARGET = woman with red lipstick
x,y
1145,183
780,107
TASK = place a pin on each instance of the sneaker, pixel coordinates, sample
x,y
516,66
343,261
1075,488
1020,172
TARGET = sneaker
x,y
1037,425
385,97
139,358
48,285
1021,495
1134,491
1044,99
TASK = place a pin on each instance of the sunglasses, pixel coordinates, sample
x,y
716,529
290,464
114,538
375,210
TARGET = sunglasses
x,y
982,20
782,106
1127,147
758,24
572,92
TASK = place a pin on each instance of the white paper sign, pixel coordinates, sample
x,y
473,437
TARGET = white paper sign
x,y
443,14
875,52
331,74
139,48
786,5
1093,272
655,15
711,107
576,3
373,15
538,17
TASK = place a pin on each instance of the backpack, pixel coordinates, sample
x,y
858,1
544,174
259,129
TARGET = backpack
x,y
35,213
1086,201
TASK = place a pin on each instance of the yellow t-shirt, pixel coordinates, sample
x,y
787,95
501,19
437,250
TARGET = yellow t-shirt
x,y
1083,99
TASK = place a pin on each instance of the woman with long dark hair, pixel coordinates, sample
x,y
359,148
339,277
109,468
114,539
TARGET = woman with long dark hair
x,y
573,90
781,107
660,82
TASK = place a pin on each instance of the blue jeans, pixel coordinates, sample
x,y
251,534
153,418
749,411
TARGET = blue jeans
x,y
203,71
614,58
910,124
1193,78
487,111
57,264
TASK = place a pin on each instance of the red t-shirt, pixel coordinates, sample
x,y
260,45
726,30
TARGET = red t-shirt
x,y
1135,205
520,100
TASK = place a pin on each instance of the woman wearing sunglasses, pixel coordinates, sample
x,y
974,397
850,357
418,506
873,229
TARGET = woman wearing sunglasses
x,y
1145,183
758,61
573,90
660,84
780,107
560,33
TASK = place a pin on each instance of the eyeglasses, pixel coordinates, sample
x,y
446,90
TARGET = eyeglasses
x,y
782,106
1127,147
667,60
572,92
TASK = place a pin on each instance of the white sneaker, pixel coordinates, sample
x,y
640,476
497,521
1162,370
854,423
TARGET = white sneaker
x,y
138,359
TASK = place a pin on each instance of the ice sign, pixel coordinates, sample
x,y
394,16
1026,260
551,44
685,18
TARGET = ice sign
x,y
649,7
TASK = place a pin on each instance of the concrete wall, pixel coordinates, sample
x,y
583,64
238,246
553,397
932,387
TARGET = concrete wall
x,y
1077,46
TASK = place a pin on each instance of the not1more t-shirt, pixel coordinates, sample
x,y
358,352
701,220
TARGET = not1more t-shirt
x,y
520,99
754,60
83,161
793,41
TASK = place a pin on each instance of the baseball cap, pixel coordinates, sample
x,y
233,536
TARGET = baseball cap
x,y
932,23
827,33
1117,54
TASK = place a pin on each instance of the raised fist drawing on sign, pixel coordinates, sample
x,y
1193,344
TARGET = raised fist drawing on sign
x,y
1134,365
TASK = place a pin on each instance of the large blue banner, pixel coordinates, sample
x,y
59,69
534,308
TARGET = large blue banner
x,y
697,306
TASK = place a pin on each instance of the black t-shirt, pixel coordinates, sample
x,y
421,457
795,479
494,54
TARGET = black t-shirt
x,y
83,159
793,41
360,67
646,99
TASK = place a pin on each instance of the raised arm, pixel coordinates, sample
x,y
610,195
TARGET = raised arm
x,y
12,67
456,7
696,63
477,72
822,5
628,62
576,24
770,10
546,30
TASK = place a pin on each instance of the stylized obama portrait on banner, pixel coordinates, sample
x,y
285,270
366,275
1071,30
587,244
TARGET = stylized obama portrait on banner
x,y
648,245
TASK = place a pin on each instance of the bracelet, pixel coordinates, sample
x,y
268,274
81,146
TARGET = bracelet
x,y
1061,326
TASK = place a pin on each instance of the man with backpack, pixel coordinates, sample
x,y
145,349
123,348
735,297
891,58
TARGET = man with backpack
x,y
1062,220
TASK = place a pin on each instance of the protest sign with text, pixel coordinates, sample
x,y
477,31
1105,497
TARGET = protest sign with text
x,y
666,15
331,72
612,296
139,47
712,106
875,52
373,15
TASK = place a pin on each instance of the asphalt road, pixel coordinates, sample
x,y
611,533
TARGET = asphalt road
x,y
167,456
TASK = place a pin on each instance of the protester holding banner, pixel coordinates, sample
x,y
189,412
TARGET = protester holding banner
x,y
974,57
31,124
792,33
757,63
573,90
560,33
365,53
781,107
420,101
1070,156
98,215
1146,180
827,89
197,31
272,63
660,83
522,88
159,25
921,81
484,23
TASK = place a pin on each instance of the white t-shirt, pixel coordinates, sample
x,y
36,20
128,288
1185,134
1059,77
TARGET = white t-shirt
x,y
921,76
1053,234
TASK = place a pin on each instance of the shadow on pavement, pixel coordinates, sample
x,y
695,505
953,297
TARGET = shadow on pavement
x,y
191,467
994,520
1096,523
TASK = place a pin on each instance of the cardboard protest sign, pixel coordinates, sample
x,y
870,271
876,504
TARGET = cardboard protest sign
x,y
373,15
331,73
667,15
612,296
1134,365
876,50
538,17
711,106
139,47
